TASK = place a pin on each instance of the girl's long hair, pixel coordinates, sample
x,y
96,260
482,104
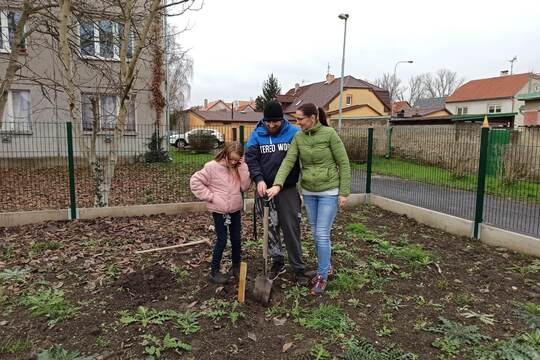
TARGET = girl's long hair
x,y
228,149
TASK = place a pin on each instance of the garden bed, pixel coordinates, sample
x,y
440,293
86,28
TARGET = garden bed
x,y
80,286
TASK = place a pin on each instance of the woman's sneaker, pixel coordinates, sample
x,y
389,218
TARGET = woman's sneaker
x,y
330,275
318,286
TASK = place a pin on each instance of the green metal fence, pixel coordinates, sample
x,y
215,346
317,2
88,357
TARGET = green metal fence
x,y
484,175
490,175
35,165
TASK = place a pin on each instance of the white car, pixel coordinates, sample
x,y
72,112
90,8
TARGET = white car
x,y
182,140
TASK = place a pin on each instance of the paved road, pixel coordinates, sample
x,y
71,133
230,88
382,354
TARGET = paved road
x,y
505,213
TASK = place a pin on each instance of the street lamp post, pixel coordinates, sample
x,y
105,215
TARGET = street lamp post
x,y
388,126
394,80
342,17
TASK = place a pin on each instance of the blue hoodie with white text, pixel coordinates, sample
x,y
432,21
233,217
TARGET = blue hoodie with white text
x,y
265,153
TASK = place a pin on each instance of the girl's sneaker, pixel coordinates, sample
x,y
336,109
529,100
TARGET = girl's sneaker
x,y
217,277
318,286
235,271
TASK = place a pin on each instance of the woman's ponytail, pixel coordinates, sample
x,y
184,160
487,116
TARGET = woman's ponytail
x,y
322,117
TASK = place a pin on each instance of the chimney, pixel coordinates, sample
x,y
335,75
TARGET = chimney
x,y
296,87
504,72
205,103
329,78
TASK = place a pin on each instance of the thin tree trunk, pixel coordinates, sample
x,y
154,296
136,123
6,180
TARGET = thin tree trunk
x,y
127,76
103,173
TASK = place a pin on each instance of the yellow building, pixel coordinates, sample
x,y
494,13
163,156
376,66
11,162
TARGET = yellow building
x,y
360,98
226,122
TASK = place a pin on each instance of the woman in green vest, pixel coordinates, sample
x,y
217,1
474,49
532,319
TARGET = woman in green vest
x,y
325,181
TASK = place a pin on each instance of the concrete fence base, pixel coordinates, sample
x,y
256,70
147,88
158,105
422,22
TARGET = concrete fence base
x,y
510,240
461,227
33,217
489,235
448,223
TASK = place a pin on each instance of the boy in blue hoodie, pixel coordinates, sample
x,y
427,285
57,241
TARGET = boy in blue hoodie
x,y
266,149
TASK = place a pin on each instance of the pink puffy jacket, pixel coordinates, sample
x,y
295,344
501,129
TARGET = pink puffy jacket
x,y
215,185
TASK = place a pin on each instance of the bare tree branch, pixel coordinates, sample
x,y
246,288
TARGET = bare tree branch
x,y
417,88
442,84
392,85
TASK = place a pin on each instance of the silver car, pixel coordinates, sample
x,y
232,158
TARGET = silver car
x,y
182,140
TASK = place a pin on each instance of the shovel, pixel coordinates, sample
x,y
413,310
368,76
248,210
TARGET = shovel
x,y
263,285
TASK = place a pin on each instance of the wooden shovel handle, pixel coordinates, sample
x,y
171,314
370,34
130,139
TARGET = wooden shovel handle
x,y
265,232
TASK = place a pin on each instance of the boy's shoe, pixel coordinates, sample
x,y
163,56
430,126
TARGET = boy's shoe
x,y
235,271
217,277
318,286
301,278
276,270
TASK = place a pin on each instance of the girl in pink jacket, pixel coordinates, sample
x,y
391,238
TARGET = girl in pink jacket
x,y
220,184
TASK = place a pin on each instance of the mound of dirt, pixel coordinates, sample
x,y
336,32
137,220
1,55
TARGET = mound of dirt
x,y
147,281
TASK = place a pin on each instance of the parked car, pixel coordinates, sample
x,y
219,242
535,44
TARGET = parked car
x,y
183,140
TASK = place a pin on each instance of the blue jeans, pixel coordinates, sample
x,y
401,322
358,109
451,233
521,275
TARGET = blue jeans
x,y
321,211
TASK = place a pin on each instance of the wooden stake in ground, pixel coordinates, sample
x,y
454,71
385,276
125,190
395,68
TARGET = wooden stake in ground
x,y
205,241
242,283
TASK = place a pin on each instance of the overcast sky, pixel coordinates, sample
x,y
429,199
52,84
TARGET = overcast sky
x,y
235,44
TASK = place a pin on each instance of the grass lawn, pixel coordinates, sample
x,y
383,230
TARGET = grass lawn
x,y
520,190
192,159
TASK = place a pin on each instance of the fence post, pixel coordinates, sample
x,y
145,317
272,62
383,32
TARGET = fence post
x,y
71,172
389,142
481,181
242,141
369,160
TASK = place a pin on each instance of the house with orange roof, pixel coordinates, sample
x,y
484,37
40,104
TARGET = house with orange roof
x,y
217,105
494,95
220,105
399,106
245,106
225,117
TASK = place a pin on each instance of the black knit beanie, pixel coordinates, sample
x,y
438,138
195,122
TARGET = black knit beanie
x,y
273,111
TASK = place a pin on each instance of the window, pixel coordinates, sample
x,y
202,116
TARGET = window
x,y
107,109
17,114
8,25
121,37
492,109
103,39
349,100
462,110
87,39
108,112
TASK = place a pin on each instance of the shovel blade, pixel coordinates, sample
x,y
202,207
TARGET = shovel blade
x,y
262,289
